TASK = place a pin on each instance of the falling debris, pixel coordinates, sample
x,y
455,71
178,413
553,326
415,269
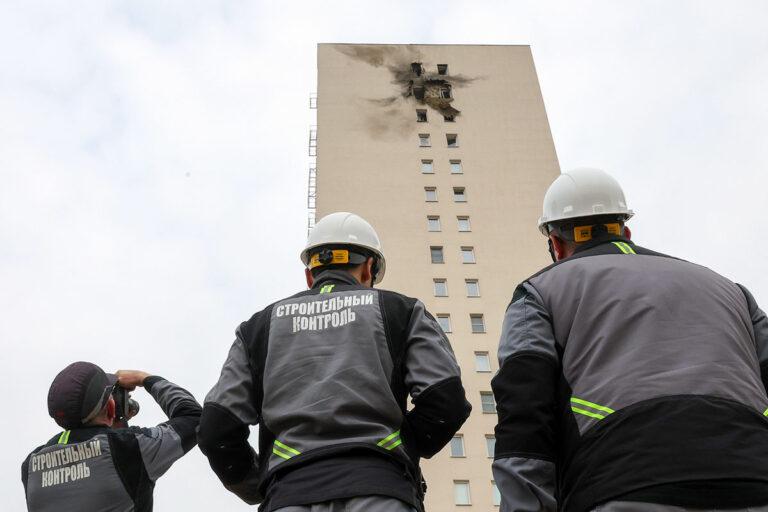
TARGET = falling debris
x,y
409,74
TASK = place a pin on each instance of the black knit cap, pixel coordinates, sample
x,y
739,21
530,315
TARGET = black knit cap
x,y
78,393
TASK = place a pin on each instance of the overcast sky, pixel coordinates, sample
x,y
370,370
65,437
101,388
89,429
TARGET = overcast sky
x,y
153,162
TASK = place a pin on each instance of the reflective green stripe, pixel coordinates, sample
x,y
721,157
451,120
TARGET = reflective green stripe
x,y
590,404
280,454
64,437
327,288
624,247
286,448
391,442
395,445
587,413
765,413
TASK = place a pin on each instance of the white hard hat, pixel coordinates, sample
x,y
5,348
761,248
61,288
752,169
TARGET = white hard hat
x,y
344,228
583,192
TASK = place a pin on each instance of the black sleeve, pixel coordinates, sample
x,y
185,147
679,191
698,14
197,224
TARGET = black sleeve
x,y
760,329
437,414
433,379
179,405
229,409
525,392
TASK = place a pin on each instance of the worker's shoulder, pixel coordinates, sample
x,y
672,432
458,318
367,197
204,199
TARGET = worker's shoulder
x,y
52,441
396,297
584,258
264,314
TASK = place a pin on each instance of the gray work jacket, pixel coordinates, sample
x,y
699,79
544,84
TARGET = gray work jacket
x,y
628,374
100,469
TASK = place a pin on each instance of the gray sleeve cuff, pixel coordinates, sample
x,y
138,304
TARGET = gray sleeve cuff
x,y
150,381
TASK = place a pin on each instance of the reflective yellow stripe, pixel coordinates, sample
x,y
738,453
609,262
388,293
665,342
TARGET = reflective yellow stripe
x,y
285,448
395,445
765,413
393,440
64,437
624,247
587,413
280,454
591,405
327,288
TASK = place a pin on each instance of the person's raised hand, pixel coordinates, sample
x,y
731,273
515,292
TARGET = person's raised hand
x,y
129,379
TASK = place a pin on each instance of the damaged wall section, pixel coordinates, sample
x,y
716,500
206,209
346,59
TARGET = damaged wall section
x,y
408,73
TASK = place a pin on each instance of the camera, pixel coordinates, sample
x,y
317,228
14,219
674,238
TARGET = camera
x,y
125,406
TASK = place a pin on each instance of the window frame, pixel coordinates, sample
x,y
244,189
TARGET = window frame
x,y
439,280
472,324
468,250
465,484
427,190
430,166
459,197
483,404
488,438
455,140
424,137
459,219
463,455
421,115
476,282
432,249
430,225
495,494
442,69
487,356
447,318
456,161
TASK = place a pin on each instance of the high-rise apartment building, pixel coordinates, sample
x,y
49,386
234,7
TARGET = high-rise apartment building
x,y
447,151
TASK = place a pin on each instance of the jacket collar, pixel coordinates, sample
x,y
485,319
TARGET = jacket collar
x,y
335,276
600,241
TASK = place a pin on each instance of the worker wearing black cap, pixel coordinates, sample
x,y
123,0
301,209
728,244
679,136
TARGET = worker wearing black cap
x,y
98,463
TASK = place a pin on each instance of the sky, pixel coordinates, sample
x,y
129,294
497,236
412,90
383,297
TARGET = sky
x,y
153,161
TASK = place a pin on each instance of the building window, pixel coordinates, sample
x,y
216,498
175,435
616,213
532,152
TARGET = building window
x,y
445,91
456,167
487,402
461,492
433,223
457,446
421,116
478,323
490,445
467,255
451,138
441,287
482,362
459,194
445,324
424,140
442,69
417,68
427,167
449,119
473,287
496,494
437,254
464,224
430,193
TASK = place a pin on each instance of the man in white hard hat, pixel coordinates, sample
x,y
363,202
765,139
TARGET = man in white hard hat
x,y
629,381
326,375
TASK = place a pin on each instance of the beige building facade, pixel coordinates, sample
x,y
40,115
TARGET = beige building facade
x,y
447,151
